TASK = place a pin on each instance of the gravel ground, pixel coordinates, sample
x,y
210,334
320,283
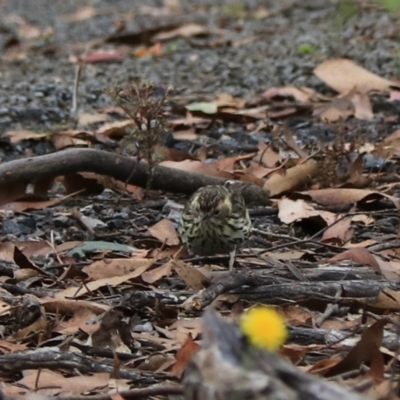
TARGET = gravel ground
x,y
36,92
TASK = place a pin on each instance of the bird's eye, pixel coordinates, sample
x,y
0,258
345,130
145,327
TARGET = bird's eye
x,y
220,212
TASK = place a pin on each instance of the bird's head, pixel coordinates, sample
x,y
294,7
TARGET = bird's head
x,y
212,204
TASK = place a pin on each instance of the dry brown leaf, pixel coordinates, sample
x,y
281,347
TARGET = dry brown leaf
x,y
343,196
29,31
294,177
103,55
291,211
82,14
145,51
192,277
387,299
350,103
17,136
8,347
197,166
363,218
228,164
5,307
322,367
296,315
24,274
117,129
73,292
337,196
300,93
109,268
185,326
67,306
30,248
285,255
377,367
165,232
227,100
67,246
364,243
383,390
154,362
245,176
185,134
341,324
389,269
294,352
7,251
356,179
72,138
82,319
290,110
258,170
289,139
85,119
46,382
339,230
137,192
363,351
189,121
167,154
362,106
157,273
338,110
184,355
254,114
344,75
116,396
361,255
188,30
394,95
37,326
394,136
34,205
390,145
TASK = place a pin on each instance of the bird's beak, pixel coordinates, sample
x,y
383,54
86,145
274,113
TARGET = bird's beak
x,y
205,217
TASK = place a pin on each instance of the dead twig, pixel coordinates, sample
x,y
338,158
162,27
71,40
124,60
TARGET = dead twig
x,y
78,74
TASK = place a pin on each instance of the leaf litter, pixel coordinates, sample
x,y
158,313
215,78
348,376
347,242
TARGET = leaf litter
x,y
98,280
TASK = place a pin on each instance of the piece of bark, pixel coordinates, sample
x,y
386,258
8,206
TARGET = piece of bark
x,y
70,161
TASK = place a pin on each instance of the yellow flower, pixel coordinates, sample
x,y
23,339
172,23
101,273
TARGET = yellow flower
x,y
264,327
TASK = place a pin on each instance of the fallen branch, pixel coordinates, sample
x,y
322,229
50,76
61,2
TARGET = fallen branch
x,y
329,337
166,390
67,360
356,291
72,161
267,289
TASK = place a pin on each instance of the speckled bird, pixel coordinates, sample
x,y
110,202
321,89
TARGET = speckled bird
x,y
214,221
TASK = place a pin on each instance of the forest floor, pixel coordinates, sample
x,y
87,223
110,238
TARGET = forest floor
x,y
300,99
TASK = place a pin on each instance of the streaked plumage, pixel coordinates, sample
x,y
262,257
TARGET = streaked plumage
x,y
215,220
